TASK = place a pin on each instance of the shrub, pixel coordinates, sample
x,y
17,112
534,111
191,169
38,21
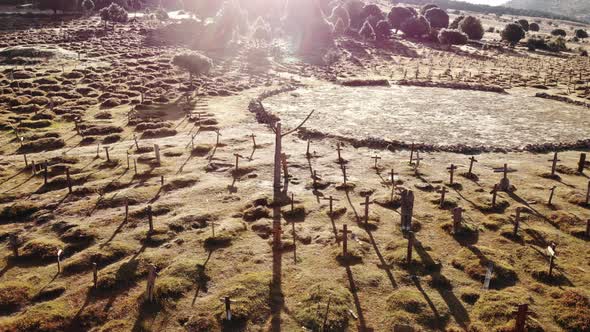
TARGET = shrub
x,y
367,31
113,13
556,44
88,6
583,53
534,27
398,15
340,13
472,27
559,32
582,34
536,43
572,311
308,311
452,37
438,18
416,27
512,33
161,14
383,30
370,10
456,21
355,9
427,7
195,63
524,24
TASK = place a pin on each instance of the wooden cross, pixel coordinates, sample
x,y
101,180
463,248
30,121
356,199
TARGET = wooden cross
x,y
315,179
554,163
339,149
516,222
213,223
442,191
551,253
94,275
417,159
410,247
307,154
504,170
452,169
126,208
238,156
471,161
588,194
392,175
345,177
227,301
106,150
521,314
217,139
45,173
59,252
552,192
345,233
69,180
157,152
582,163
412,154
14,245
407,206
332,200
457,218
376,158
151,282
253,140
150,219
366,205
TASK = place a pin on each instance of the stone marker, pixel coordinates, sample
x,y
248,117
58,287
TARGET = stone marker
x,y
516,221
95,275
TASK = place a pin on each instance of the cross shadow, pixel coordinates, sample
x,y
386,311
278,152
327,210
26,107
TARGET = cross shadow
x,y
357,303
200,285
383,266
277,300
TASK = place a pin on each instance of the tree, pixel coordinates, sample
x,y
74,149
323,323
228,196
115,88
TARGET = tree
x,y
88,6
427,7
113,13
340,13
416,27
161,14
524,24
513,33
194,63
383,30
472,27
136,5
371,10
355,9
367,31
398,15
559,32
452,37
456,22
582,34
534,27
437,17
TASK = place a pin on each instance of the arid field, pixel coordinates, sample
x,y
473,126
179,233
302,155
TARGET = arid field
x,y
173,171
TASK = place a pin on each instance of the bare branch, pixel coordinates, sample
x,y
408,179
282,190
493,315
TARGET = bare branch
x,y
300,125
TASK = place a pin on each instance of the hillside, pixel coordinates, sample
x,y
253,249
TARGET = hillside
x,y
577,8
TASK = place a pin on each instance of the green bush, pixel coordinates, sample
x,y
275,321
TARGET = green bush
x,y
524,24
398,15
582,34
512,33
438,18
452,37
456,21
559,32
472,27
534,27
416,27
195,63
383,30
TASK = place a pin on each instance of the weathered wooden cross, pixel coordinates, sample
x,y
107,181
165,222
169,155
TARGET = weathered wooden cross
x,y
554,163
253,140
376,158
407,206
457,218
332,200
516,222
366,205
521,314
339,149
442,192
14,245
488,277
551,254
392,175
452,169
345,233
307,154
59,252
504,182
582,163
227,301
552,192
150,219
471,161
417,164
151,282
238,156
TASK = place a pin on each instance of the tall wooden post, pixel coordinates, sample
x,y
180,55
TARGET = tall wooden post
x,y
582,163
277,160
69,180
407,206
521,318
516,222
95,275
457,218
410,247
150,220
